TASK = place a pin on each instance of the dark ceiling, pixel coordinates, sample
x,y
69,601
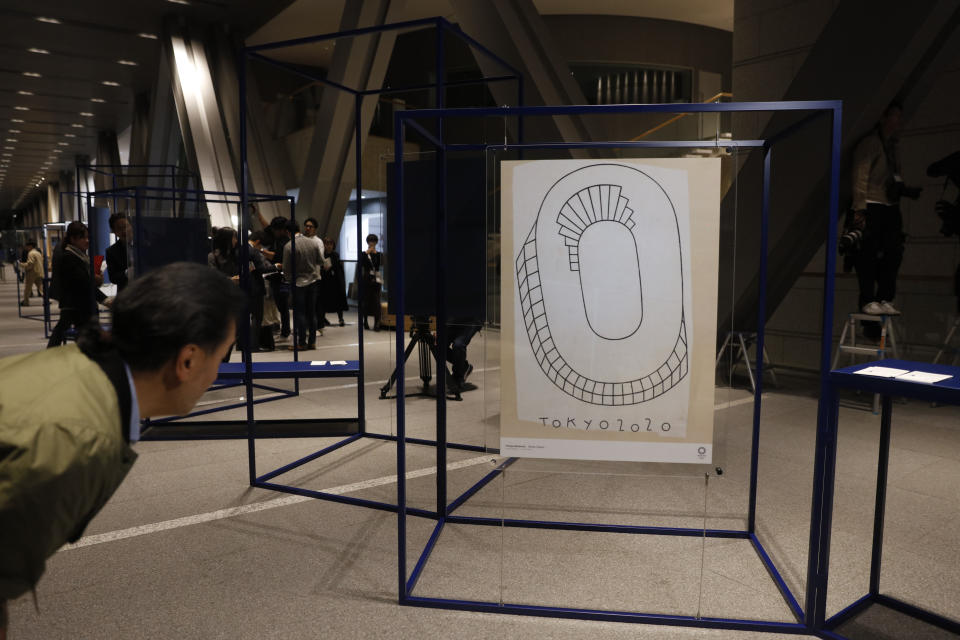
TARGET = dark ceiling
x,y
70,69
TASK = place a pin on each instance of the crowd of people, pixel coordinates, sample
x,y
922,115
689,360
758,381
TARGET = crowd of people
x,y
289,267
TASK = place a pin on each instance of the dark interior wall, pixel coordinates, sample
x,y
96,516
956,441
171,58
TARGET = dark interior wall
x,y
618,39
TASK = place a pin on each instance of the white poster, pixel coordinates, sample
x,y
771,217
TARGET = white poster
x,y
609,308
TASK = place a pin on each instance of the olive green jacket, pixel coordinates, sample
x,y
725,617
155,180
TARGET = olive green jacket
x,y
62,455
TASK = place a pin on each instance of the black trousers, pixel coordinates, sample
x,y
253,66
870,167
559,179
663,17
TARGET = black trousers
x,y
459,337
256,318
68,318
881,252
281,295
305,310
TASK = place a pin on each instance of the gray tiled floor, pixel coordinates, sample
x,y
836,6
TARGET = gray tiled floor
x,y
315,569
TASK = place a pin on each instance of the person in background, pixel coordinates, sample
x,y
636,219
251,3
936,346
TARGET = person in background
x,y
63,460
73,284
334,283
371,282
310,233
877,189
33,272
223,258
116,254
259,267
276,236
307,269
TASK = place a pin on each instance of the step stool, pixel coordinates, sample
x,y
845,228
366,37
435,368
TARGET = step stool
x,y
888,343
743,340
946,347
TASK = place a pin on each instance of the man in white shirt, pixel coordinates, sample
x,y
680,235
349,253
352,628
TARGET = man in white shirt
x,y
309,262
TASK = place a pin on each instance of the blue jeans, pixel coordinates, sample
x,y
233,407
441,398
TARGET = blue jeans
x,y
305,313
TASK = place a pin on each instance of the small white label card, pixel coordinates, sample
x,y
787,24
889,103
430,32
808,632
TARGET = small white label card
x,y
318,363
339,363
923,376
881,372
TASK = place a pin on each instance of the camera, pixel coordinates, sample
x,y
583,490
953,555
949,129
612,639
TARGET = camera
x,y
850,242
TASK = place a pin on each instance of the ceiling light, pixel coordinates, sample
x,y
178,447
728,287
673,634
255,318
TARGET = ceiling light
x,y
57,151
19,108
97,100
15,120
35,50
148,36
14,130
8,148
178,1
32,74
6,155
69,135
86,114
11,139
77,126
48,20
129,63
110,83
25,93
63,144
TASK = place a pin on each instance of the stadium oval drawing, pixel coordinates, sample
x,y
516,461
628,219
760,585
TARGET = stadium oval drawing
x,y
601,287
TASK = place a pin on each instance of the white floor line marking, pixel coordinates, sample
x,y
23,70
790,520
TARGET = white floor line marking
x,y
231,512
733,403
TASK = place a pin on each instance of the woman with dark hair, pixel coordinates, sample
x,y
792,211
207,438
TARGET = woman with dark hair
x,y
62,460
73,283
334,284
371,282
223,258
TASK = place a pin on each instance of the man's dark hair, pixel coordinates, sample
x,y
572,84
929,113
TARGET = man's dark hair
x,y
115,218
257,236
312,221
279,223
168,308
223,241
372,238
293,226
76,229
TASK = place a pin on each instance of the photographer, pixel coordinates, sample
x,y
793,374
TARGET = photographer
x,y
949,212
877,189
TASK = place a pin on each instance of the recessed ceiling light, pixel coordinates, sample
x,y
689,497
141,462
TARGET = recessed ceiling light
x,y
110,83
69,135
25,93
6,155
14,130
57,151
178,1
97,100
32,74
35,50
19,108
77,126
11,139
86,114
148,36
48,20
63,144
129,63
15,120
8,148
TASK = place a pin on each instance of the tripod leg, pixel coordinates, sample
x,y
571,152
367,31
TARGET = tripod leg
x,y
426,371
385,389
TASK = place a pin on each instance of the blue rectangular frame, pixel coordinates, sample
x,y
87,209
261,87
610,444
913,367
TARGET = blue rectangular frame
x,y
807,620
443,27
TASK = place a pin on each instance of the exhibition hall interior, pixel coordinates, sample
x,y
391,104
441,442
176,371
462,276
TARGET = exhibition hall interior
x,y
554,319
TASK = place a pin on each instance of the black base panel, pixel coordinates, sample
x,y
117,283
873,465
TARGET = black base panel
x,y
215,429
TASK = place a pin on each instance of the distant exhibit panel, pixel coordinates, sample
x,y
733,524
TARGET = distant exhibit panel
x,y
610,291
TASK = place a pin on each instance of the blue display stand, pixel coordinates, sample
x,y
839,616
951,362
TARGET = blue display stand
x,y
437,86
942,392
430,125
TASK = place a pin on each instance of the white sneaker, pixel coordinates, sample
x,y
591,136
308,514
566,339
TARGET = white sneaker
x,y
888,308
874,309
